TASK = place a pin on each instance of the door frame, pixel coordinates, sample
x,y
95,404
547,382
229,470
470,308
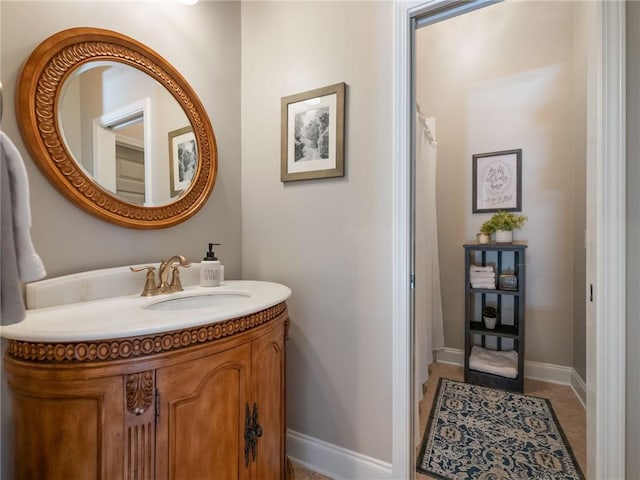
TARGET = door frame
x,y
606,223
139,110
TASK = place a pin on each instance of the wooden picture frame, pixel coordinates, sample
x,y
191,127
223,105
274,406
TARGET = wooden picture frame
x,y
497,181
312,134
183,159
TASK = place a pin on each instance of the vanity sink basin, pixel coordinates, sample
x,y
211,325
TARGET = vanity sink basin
x,y
106,304
212,300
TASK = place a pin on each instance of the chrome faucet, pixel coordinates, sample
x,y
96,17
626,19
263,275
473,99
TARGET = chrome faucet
x,y
163,286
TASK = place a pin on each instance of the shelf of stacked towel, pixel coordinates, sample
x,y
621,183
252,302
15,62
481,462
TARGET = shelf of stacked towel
x,y
502,363
482,277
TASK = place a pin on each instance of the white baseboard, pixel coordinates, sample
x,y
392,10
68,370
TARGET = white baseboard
x,y
452,356
546,372
335,462
579,387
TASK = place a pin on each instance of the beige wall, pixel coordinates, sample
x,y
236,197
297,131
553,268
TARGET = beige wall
x,y
502,78
330,240
580,55
203,42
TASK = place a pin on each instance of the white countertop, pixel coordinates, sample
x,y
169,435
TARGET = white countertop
x,y
126,316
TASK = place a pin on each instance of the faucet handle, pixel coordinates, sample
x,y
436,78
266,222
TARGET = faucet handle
x,y
150,283
176,284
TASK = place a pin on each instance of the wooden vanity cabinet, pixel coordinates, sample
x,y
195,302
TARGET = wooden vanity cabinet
x,y
200,409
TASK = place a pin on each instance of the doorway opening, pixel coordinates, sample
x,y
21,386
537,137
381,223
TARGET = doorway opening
x,y
121,152
502,79
605,153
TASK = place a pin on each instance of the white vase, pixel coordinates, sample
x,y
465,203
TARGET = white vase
x,y
504,236
490,322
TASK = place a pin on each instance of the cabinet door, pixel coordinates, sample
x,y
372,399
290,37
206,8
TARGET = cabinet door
x,y
60,431
201,408
268,378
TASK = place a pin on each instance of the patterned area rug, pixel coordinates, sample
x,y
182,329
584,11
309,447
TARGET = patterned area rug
x,y
485,433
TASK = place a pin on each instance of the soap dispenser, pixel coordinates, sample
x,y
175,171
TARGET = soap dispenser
x,y
210,269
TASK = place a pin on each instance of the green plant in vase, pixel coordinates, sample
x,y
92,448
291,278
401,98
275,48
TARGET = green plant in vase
x,y
490,317
485,233
504,223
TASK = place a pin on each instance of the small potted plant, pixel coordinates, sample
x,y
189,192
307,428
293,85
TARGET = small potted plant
x,y
490,317
485,232
504,223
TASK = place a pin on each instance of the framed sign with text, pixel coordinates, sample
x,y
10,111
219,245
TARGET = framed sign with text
x,y
497,181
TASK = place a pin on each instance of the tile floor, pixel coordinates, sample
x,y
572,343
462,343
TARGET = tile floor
x,y
568,409
301,473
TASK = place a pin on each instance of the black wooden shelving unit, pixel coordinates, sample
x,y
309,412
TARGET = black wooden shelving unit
x,y
509,331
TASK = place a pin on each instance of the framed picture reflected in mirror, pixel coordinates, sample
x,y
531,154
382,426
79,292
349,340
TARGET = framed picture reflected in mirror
x,y
183,159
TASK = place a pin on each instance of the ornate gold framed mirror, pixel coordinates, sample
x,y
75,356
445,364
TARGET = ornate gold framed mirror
x,y
116,128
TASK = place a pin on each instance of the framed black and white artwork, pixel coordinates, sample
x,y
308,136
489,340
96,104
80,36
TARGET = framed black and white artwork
x,y
183,159
312,134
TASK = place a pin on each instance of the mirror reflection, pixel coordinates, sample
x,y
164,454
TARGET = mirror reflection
x,y
127,132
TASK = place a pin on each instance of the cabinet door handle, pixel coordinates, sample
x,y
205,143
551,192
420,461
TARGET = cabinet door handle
x,y
257,428
157,405
252,431
257,432
249,435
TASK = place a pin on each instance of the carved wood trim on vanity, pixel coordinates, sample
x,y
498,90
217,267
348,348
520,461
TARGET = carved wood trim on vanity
x,y
98,351
139,392
139,422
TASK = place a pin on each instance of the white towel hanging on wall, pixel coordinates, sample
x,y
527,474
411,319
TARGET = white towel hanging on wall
x,y
19,261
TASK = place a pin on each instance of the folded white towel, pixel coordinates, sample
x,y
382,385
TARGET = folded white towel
x,y
481,268
491,285
482,275
503,363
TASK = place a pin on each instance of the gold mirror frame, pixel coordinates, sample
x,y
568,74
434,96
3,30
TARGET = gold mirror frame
x,y
38,92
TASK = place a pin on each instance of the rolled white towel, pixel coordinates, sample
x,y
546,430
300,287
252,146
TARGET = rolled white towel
x,y
503,363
